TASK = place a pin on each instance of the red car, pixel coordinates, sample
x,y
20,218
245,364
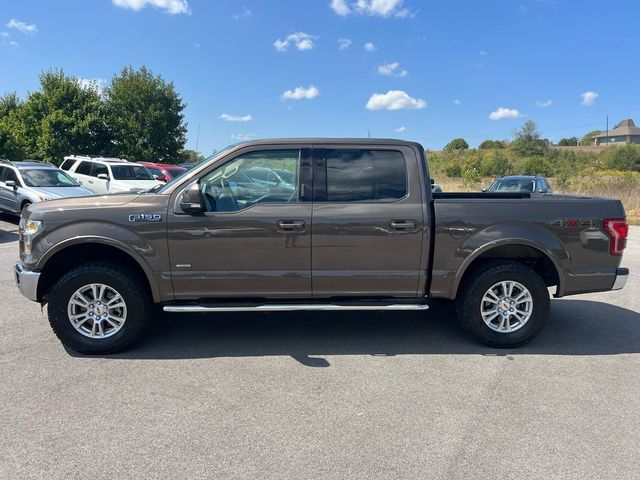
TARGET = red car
x,y
165,172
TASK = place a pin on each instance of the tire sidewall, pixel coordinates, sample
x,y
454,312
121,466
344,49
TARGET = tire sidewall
x,y
540,313
59,317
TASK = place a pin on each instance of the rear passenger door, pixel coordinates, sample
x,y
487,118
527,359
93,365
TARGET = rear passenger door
x,y
82,174
368,224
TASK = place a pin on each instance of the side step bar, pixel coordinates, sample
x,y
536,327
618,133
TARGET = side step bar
x,y
291,308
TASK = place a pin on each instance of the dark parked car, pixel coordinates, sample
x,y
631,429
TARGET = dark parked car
x,y
361,231
520,183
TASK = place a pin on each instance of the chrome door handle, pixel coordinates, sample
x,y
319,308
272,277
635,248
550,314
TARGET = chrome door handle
x,y
291,225
403,225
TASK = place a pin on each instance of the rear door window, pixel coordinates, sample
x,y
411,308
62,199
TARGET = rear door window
x,y
84,168
355,175
67,164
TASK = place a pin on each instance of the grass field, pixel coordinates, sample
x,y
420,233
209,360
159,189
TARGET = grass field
x,y
622,185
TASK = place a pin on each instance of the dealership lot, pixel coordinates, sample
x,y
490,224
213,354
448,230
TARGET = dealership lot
x,y
368,395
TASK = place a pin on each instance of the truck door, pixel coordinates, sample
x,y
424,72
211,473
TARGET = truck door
x,y
251,241
368,223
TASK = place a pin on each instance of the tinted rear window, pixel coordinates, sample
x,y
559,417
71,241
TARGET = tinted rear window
x,y
84,168
365,175
66,165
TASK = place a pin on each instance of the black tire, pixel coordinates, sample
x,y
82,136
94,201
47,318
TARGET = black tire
x,y
129,285
471,293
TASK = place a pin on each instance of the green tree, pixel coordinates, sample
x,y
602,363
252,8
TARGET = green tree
x,y
189,156
527,141
456,144
63,118
624,157
145,116
568,142
492,144
12,145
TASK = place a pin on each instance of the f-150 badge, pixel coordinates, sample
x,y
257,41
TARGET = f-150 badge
x,y
145,217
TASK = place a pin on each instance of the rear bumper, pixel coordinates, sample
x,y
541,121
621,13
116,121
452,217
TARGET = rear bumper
x,y
27,281
622,274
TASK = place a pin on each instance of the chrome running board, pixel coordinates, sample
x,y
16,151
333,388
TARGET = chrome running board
x,y
291,308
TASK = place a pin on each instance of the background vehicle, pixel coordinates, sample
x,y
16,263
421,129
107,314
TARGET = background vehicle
x,y
24,183
361,231
109,175
164,172
520,183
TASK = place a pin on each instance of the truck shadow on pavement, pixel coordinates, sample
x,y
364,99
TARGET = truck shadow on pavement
x,y
8,233
576,327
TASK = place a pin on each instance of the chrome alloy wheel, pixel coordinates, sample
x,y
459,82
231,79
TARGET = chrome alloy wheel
x,y
506,306
97,311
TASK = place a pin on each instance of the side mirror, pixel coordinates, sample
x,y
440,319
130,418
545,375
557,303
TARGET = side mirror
x,y
103,176
11,184
191,201
484,190
161,178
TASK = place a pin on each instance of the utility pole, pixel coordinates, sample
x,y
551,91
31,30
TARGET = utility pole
x,y
197,137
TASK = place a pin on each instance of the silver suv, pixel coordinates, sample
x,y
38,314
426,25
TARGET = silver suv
x,y
24,183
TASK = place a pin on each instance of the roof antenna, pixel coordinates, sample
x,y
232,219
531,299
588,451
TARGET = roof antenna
x,y
368,133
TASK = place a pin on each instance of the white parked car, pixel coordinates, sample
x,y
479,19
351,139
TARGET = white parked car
x,y
109,175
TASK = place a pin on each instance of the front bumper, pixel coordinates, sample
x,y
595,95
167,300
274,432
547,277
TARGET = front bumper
x,y
622,274
27,281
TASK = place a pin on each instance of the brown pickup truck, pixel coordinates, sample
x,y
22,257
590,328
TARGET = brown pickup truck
x,y
313,224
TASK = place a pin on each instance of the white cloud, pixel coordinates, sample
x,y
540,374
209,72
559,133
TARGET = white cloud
x,y
300,93
400,129
97,84
457,102
173,7
344,43
394,100
502,113
22,27
482,53
544,103
13,43
244,14
4,34
243,136
375,8
588,98
236,118
392,70
370,47
300,40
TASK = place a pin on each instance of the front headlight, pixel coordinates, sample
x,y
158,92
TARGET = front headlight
x,y
30,227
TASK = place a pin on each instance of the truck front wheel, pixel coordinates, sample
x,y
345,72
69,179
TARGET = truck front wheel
x,y
504,305
98,308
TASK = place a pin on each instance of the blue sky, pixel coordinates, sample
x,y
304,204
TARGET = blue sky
x,y
432,70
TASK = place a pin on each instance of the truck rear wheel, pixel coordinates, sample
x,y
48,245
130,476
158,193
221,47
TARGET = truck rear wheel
x,y
504,305
98,308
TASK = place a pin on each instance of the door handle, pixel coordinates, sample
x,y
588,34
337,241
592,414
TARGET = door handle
x,y
291,225
403,225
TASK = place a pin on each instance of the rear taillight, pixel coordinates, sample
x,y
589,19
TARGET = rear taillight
x,y
618,229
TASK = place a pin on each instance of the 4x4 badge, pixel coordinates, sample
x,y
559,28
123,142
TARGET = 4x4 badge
x,y
145,217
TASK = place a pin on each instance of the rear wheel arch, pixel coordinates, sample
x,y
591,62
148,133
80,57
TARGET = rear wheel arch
x,y
70,256
540,261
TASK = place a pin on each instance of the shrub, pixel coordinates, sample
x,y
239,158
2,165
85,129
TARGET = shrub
x,y
456,144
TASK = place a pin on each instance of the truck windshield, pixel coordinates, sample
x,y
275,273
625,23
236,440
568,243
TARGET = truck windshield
x,y
131,172
41,177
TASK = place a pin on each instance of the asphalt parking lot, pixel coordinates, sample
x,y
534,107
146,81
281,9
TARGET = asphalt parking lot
x,y
301,396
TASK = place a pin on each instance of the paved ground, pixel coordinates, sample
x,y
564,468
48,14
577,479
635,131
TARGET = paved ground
x,y
325,396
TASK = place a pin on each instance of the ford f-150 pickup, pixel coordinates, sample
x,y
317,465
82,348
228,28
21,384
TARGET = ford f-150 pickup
x,y
313,224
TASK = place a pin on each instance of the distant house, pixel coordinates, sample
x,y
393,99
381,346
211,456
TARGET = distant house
x,y
627,132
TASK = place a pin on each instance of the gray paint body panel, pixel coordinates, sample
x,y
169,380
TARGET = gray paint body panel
x,y
345,250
